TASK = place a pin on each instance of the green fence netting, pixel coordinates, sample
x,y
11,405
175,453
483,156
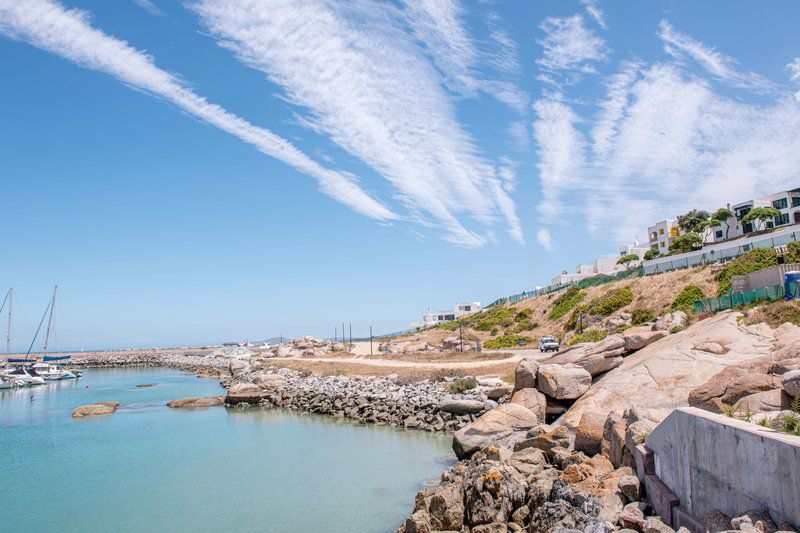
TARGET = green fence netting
x,y
729,301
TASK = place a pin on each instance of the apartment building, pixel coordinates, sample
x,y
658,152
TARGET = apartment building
x,y
787,202
663,233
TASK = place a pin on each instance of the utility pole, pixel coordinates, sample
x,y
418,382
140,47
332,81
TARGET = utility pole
x,y
351,335
335,334
370,340
461,338
343,338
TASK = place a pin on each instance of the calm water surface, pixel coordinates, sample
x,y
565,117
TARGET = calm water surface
x,y
151,468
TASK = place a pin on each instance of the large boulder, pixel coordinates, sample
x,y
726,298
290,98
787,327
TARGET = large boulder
x,y
503,425
95,409
637,341
659,378
195,403
532,399
669,321
589,436
563,382
244,393
269,381
732,384
764,402
790,381
547,442
525,375
595,357
462,407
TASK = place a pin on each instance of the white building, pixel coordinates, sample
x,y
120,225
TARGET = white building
x,y
432,319
664,233
787,202
635,248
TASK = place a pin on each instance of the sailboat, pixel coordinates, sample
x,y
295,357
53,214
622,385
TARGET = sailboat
x,y
49,368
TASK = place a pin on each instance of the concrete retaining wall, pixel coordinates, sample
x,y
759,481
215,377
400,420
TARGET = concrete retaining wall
x,y
711,461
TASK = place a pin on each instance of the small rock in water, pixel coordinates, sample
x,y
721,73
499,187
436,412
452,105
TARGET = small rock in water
x,y
143,385
94,409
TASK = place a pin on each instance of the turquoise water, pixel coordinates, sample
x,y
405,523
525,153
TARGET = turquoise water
x,y
151,468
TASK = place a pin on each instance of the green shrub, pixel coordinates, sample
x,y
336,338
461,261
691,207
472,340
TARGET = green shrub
x,y
495,318
611,301
462,384
566,301
572,322
523,315
685,300
753,260
642,315
505,341
590,335
494,332
677,329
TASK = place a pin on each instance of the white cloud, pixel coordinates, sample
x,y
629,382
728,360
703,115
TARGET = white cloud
x,y
366,83
438,25
723,67
561,150
595,12
793,69
69,34
570,46
150,7
544,238
664,142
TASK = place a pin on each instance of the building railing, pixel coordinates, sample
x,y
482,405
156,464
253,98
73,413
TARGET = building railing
x,y
721,252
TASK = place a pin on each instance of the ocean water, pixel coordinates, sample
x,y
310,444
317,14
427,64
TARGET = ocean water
x,y
151,468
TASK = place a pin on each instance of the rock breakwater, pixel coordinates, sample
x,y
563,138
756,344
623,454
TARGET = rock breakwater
x,y
372,400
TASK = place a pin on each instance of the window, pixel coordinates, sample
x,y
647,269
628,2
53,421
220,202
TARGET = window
x,y
661,244
795,201
661,231
781,220
781,203
718,234
653,236
741,212
770,224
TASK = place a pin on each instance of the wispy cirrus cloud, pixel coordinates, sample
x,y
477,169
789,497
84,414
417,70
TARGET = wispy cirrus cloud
x,y
595,12
569,48
661,142
364,82
150,7
722,67
793,69
68,33
439,26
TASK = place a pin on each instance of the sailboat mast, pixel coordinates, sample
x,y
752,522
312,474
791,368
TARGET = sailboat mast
x,y
8,333
50,319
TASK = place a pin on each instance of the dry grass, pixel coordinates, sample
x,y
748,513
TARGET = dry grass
x,y
407,374
650,292
775,313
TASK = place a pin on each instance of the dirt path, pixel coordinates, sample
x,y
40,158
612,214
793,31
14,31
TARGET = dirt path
x,y
400,363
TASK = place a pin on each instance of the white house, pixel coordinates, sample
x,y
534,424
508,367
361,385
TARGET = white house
x,y
662,234
432,319
787,202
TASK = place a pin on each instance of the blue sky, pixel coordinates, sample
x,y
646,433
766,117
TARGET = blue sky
x,y
201,171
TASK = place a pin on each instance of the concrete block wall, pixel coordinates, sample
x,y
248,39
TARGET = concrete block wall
x,y
703,461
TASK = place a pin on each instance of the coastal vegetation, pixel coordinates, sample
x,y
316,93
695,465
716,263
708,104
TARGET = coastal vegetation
x,y
566,302
685,300
506,341
751,261
642,315
590,335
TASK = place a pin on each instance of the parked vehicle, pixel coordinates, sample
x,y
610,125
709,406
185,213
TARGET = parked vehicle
x,y
548,344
